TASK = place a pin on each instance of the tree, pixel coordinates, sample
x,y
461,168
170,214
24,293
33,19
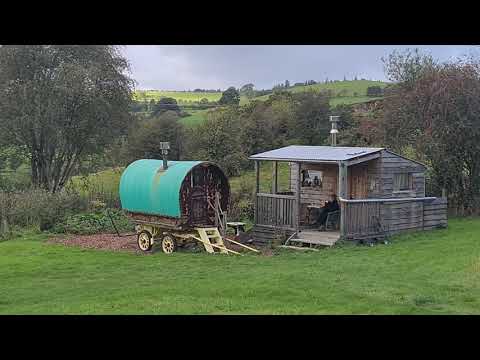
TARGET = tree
x,y
62,103
433,109
165,104
217,139
312,122
405,67
231,96
144,141
248,90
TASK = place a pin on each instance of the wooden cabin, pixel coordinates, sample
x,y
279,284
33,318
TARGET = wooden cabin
x,y
379,192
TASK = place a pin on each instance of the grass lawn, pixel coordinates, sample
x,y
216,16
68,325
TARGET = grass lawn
x,y
436,272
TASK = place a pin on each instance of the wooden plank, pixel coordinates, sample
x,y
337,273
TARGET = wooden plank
x,y
297,195
387,200
275,177
297,248
257,188
275,196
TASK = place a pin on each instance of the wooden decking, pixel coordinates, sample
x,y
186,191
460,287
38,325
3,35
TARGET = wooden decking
x,y
325,238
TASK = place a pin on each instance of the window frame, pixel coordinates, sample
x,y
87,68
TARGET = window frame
x,y
400,189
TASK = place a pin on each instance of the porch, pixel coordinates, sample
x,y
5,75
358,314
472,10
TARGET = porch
x,y
371,202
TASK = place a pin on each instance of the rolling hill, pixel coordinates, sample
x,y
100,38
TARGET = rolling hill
x,y
343,92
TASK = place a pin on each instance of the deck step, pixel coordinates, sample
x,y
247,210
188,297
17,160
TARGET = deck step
x,y
297,248
323,241
314,242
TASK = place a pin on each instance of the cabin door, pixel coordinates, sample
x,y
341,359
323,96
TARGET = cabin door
x,y
357,182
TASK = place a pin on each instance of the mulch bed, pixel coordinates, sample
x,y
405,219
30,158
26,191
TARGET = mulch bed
x,y
112,242
100,241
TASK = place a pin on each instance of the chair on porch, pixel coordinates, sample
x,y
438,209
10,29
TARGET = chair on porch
x,y
333,221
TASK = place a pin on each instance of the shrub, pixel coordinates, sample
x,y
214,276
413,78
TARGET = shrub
x,y
93,223
36,207
242,202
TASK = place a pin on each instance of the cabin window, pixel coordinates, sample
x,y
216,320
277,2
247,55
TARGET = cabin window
x,y
402,182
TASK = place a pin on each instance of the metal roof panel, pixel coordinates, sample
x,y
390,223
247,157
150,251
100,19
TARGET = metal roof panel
x,y
315,153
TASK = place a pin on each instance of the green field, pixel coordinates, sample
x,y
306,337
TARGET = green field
x,y
355,91
180,96
195,117
436,272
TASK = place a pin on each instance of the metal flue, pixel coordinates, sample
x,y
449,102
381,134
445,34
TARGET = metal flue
x,y
334,120
165,146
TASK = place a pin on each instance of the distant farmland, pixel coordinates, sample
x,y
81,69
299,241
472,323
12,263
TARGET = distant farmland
x,y
180,96
343,92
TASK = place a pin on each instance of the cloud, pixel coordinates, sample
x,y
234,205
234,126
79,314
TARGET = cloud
x,y
183,67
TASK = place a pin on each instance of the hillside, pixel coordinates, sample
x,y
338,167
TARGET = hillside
x,y
343,92
348,92
180,96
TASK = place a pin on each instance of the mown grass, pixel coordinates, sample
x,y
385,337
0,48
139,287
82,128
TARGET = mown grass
x,y
435,272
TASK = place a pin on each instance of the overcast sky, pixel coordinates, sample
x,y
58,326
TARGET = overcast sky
x,y
183,67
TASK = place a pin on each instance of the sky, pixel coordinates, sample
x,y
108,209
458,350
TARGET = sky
x,y
184,67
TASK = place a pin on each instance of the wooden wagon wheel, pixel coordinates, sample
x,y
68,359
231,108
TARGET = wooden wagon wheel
x,y
169,244
144,241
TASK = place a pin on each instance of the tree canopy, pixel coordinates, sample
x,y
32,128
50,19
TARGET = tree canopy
x,y
62,103
231,96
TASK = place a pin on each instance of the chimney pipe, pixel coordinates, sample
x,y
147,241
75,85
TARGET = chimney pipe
x,y
165,146
334,131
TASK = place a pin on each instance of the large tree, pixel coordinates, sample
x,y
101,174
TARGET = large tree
x,y
433,110
231,96
62,103
165,104
144,140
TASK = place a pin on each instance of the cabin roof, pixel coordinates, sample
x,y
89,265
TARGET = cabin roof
x,y
304,153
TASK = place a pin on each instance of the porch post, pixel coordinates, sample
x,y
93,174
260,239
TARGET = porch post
x,y
297,195
257,188
275,177
342,192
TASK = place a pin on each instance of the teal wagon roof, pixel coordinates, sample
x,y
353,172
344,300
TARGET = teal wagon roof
x,y
146,188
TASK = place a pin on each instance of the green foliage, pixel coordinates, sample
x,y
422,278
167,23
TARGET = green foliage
x,y
144,140
165,104
94,223
231,96
38,208
62,102
434,110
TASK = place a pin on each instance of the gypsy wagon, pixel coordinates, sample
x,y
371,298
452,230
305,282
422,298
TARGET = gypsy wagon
x,y
176,202
380,193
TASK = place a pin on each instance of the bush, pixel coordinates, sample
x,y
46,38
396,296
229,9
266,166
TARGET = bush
x,y
36,207
242,202
93,223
